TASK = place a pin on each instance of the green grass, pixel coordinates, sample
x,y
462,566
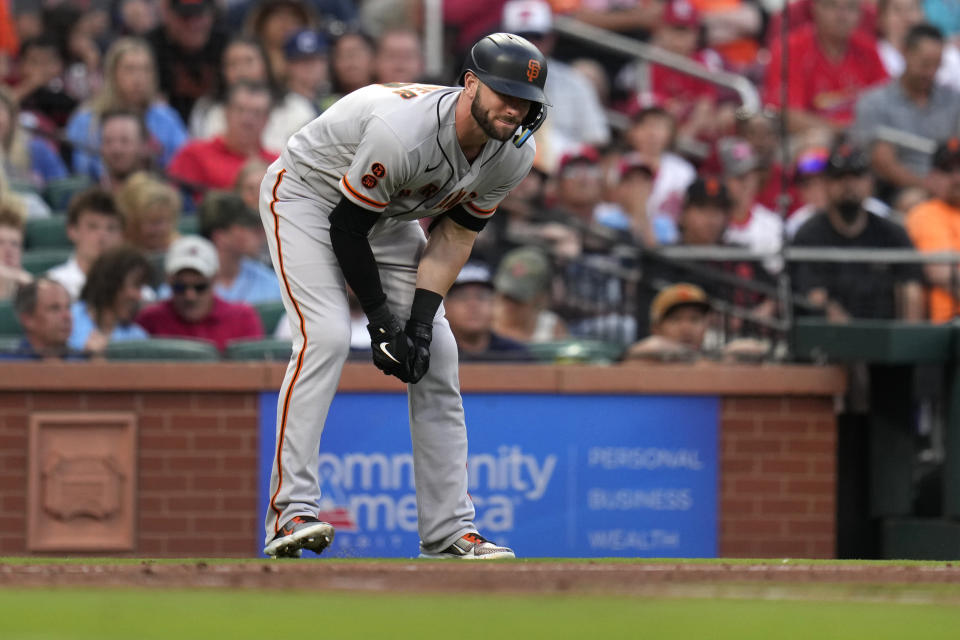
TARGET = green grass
x,y
182,615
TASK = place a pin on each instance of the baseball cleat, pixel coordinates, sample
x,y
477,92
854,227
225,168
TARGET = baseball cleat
x,y
302,532
472,546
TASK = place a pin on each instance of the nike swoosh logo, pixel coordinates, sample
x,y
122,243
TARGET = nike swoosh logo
x,y
383,347
429,169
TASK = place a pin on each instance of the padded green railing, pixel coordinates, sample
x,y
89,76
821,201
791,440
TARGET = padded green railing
x,y
259,349
163,349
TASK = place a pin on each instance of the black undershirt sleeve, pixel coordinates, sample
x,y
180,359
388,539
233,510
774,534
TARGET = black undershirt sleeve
x,y
349,226
465,219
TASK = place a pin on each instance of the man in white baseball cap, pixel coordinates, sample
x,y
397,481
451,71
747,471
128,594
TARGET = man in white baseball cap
x,y
193,310
577,117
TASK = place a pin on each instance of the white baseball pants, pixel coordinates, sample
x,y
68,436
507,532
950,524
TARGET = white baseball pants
x,y
314,294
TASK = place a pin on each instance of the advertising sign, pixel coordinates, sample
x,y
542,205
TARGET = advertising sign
x,y
550,475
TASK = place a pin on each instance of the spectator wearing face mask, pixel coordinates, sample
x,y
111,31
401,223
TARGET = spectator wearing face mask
x,y
857,290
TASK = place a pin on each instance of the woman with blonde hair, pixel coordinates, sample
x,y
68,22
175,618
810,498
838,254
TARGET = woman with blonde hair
x,y
12,221
130,82
27,159
151,211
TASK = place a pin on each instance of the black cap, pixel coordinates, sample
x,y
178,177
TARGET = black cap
x,y
707,192
847,159
947,155
510,65
224,209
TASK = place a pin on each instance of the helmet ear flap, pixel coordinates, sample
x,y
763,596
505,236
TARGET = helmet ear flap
x,y
533,121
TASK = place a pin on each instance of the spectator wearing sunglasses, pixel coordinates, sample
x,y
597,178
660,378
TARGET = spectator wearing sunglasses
x,y
194,310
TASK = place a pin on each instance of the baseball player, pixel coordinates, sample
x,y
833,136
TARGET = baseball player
x,y
340,206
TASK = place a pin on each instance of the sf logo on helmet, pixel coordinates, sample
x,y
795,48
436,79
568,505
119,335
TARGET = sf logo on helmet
x,y
533,70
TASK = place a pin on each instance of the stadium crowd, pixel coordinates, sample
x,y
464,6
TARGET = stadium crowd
x,y
146,126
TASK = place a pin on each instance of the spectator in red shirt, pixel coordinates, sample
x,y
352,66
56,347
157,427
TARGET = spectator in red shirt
x,y
801,13
193,311
690,99
215,162
830,64
692,102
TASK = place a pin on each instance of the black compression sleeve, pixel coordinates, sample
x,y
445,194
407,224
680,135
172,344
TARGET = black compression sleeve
x,y
425,305
465,219
349,226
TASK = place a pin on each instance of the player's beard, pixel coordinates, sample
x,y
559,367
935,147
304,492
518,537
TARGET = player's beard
x,y
482,116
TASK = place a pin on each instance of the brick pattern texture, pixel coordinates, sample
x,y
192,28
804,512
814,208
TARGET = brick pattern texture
x,y
197,468
777,477
197,482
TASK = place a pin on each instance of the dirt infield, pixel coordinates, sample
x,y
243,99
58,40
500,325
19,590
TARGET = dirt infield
x,y
449,576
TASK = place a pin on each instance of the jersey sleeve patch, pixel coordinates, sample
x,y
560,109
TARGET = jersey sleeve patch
x,y
379,167
360,198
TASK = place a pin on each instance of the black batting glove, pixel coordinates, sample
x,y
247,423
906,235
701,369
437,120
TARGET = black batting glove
x,y
391,347
420,334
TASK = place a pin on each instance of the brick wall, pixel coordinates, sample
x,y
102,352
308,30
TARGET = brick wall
x,y
197,468
197,450
778,476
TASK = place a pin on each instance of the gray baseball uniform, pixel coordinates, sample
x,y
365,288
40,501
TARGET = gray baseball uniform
x,y
391,149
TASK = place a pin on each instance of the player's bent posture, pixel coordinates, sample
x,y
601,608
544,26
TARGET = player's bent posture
x,y
340,206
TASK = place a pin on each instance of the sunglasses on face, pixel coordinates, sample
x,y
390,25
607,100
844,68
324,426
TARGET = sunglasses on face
x,y
181,287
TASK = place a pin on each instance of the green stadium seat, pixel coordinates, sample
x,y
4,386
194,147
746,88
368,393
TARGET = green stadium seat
x,y
270,315
259,349
188,225
58,192
577,351
9,325
164,349
47,233
21,186
39,261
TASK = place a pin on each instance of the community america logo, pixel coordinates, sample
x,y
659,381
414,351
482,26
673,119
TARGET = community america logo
x,y
374,492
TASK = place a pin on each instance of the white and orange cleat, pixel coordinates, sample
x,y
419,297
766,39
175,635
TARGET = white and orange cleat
x,y
472,546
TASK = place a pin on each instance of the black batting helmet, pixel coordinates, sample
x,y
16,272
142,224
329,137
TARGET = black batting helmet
x,y
511,65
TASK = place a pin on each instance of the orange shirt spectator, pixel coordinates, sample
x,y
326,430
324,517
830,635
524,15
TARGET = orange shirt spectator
x,y
934,225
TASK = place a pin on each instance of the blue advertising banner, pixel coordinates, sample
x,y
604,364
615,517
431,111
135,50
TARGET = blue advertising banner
x,y
550,475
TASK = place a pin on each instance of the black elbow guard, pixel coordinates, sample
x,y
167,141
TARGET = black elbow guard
x,y
352,219
465,219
